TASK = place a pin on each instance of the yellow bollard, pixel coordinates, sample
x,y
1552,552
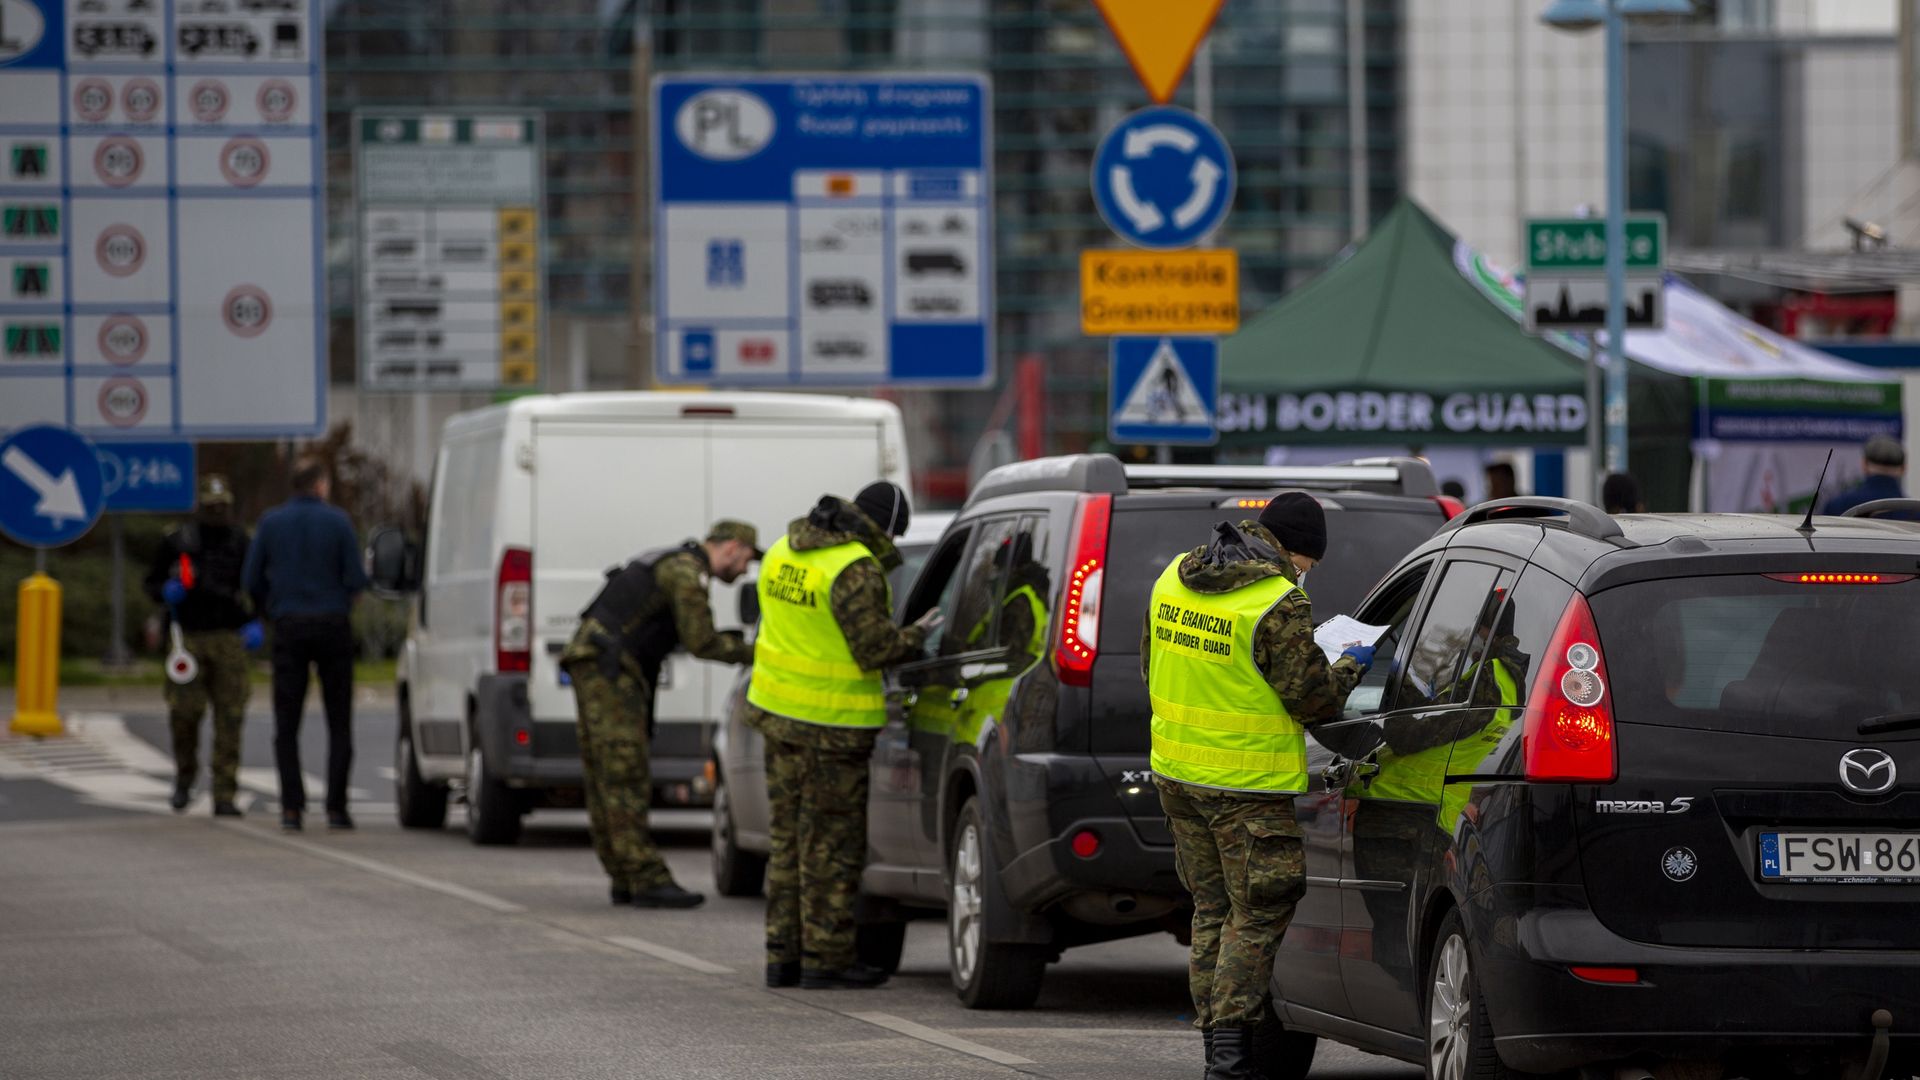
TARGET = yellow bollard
x,y
36,674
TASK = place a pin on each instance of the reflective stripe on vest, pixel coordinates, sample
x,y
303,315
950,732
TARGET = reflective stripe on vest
x,y
1216,720
802,667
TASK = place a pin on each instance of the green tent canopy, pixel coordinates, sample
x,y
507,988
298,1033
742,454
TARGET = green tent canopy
x,y
1394,345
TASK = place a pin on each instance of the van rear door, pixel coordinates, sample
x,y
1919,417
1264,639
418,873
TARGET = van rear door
x,y
603,492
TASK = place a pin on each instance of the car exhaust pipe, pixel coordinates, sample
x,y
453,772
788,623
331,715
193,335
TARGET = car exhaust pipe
x,y
1876,1065
1123,903
1632,1072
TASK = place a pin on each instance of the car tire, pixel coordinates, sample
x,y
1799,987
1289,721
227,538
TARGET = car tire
x,y
880,945
1459,1034
735,872
419,803
493,808
986,974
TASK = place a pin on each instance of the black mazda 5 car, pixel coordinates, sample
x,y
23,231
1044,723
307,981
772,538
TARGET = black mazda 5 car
x,y
1623,797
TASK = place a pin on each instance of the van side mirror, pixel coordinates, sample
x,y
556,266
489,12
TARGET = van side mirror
x,y
393,562
749,602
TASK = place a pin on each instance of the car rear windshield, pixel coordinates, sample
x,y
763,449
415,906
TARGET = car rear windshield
x,y
1748,653
1362,545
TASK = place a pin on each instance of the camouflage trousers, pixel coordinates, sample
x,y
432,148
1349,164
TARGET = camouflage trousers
x,y
614,758
225,683
1243,859
817,810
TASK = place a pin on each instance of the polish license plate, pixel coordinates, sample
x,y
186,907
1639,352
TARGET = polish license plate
x,y
1840,858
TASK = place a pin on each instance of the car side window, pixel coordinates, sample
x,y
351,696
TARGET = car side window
x,y
1519,635
1393,608
1447,645
936,584
973,611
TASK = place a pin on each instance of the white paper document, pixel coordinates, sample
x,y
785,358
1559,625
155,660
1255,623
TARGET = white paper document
x,y
1342,632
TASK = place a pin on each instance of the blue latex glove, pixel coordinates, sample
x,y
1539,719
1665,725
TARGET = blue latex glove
x,y
253,635
1361,654
173,592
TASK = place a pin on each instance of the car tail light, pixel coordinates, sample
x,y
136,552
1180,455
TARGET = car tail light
x,y
1614,976
1842,579
1568,729
513,611
522,737
1450,506
1080,625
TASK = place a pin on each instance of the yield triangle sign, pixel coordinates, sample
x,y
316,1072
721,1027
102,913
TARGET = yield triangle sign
x,y
1159,37
1165,394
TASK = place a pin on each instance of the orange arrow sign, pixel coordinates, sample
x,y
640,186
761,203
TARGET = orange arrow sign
x,y
1159,37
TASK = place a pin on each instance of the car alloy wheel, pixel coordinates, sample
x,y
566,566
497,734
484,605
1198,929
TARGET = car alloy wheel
x,y
402,772
963,907
1450,1012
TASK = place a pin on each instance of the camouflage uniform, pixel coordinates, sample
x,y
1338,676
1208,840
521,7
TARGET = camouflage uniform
x,y
613,689
225,682
817,775
206,556
1241,854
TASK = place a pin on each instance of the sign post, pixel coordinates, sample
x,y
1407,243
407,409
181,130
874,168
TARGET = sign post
x,y
51,493
823,230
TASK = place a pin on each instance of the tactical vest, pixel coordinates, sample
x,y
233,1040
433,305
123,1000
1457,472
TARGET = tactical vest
x,y
1217,722
629,590
802,667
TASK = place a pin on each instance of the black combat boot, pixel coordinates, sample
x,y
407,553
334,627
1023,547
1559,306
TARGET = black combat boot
x,y
1232,1055
226,808
783,974
620,894
182,793
857,977
667,895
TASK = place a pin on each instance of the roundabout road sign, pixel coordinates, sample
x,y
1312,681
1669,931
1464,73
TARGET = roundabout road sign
x,y
51,486
1163,178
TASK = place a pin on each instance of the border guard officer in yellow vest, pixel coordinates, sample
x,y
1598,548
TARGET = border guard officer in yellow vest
x,y
826,630
1234,677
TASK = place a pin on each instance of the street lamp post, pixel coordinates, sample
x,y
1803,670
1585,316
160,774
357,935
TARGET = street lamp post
x,y
1613,15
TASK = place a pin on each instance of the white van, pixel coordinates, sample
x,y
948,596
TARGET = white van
x,y
533,502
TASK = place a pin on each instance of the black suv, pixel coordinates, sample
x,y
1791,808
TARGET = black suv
x,y
1625,794
1010,786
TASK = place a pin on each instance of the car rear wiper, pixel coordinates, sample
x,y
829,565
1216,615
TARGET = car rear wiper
x,y
1900,721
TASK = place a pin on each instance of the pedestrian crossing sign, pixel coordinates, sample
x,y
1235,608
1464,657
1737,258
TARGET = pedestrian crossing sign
x,y
1164,390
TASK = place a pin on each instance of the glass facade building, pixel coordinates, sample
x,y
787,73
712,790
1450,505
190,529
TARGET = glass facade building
x,y
1279,90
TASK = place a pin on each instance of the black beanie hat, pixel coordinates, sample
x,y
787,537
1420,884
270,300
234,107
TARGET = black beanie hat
x,y
1296,520
885,505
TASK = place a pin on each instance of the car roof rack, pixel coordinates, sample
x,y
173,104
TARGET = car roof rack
x,y
1880,508
1103,474
1579,517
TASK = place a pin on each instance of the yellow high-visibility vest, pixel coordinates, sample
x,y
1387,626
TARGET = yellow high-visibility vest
x,y
1216,720
1472,751
802,667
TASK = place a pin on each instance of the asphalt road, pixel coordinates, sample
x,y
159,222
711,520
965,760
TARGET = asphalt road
x,y
138,942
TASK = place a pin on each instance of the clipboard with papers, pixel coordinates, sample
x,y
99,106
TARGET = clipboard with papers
x,y
1343,632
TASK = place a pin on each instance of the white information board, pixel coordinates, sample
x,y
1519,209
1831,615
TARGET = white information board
x,y
162,172
451,293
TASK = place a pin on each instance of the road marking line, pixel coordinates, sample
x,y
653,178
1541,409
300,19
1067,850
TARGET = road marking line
x,y
671,956
939,1038
386,870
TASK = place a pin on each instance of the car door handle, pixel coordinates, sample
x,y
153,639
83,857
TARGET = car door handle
x,y
958,697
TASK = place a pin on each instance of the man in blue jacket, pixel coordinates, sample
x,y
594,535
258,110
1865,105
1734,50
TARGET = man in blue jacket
x,y
304,571
1885,461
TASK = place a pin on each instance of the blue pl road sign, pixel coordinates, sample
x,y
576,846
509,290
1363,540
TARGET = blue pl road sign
x,y
1163,178
823,231
1164,390
51,489
148,476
